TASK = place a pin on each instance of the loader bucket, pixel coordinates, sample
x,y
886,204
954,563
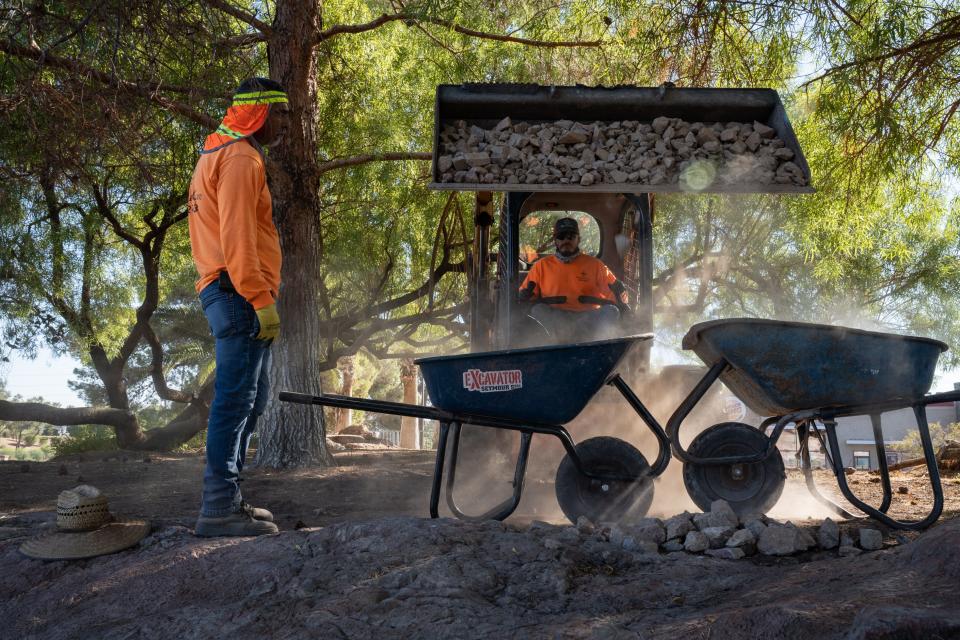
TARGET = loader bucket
x,y
484,105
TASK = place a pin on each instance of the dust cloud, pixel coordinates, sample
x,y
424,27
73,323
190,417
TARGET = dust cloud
x,y
486,471
487,456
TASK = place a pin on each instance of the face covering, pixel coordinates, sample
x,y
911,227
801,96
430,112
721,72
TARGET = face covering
x,y
243,118
567,259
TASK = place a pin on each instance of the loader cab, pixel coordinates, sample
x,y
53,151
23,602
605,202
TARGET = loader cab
x,y
616,228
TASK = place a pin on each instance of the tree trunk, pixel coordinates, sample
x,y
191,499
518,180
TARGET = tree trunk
x,y
409,438
125,424
948,457
188,423
345,416
293,435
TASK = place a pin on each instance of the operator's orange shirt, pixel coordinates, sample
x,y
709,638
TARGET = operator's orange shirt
x,y
231,223
582,276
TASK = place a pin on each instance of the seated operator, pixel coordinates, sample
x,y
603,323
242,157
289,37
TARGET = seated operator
x,y
561,286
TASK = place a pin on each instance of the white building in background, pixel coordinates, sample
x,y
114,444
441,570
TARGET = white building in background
x,y
855,434
857,443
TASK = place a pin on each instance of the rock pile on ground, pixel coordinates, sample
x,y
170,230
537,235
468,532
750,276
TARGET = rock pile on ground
x,y
665,151
358,436
720,533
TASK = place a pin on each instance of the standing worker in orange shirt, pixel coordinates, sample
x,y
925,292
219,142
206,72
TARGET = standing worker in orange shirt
x,y
237,253
573,294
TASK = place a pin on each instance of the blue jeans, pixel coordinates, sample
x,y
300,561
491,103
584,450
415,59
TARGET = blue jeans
x,y
240,395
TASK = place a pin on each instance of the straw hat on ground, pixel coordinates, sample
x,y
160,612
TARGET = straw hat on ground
x,y
85,529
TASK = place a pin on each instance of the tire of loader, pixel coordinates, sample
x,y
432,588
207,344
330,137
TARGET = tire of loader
x,y
749,488
612,501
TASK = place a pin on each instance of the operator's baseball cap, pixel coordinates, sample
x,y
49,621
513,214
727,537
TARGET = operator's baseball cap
x,y
565,225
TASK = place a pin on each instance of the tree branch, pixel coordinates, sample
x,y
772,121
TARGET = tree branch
x,y
240,41
473,33
156,369
357,340
242,16
125,422
103,207
358,28
353,161
150,91
187,424
894,52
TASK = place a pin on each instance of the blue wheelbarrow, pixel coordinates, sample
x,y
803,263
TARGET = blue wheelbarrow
x,y
803,374
794,373
533,391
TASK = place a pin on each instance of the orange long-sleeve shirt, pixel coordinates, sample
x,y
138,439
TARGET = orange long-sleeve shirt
x,y
231,223
583,276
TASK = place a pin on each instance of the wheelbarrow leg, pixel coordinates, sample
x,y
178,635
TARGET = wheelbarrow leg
x,y
930,457
663,440
505,508
438,470
672,429
803,431
882,460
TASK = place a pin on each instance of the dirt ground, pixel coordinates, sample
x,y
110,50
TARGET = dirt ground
x,y
165,489
357,558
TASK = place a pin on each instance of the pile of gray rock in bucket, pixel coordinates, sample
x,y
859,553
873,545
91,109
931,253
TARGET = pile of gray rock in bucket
x,y
665,151
722,534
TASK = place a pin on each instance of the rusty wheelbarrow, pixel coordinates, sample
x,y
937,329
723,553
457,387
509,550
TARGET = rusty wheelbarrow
x,y
806,375
791,372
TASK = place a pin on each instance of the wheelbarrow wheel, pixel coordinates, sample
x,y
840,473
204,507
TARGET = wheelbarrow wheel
x,y
604,501
749,488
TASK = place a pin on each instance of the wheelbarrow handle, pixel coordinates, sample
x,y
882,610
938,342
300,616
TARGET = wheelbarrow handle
x,y
362,404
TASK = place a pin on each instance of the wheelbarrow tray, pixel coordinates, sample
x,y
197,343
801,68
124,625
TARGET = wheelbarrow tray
x,y
779,367
544,385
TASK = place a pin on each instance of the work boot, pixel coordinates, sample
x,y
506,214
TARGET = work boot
x,y
256,512
238,523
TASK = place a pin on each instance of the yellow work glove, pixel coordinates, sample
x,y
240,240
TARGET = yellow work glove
x,y
269,322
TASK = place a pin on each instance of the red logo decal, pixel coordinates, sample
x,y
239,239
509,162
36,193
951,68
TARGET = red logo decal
x,y
492,381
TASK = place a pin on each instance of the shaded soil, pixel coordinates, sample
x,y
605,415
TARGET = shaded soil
x,y
357,558
165,489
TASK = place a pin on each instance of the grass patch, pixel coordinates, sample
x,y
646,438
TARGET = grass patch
x,y
37,454
196,444
86,438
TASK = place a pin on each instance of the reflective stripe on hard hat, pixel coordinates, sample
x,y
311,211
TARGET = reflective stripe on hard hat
x,y
259,97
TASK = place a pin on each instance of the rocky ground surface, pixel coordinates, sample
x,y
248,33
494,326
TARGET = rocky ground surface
x,y
364,564
664,151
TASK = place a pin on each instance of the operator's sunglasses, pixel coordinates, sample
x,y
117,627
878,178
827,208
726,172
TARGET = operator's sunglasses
x,y
566,235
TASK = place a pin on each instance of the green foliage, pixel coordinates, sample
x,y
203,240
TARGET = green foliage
x,y
35,454
890,92
910,446
196,444
385,385
876,246
85,438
